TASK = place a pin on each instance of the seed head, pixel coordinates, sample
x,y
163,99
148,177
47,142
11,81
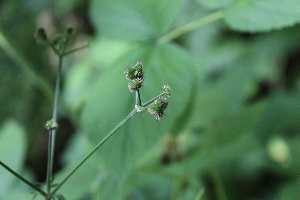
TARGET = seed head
x,y
158,107
135,71
135,84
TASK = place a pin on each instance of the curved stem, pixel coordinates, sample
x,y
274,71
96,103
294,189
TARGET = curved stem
x,y
23,179
133,112
190,27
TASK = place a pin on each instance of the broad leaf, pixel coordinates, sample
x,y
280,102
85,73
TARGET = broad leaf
x,y
12,152
230,127
215,4
134,19
110,101
262,15
85,176
281,114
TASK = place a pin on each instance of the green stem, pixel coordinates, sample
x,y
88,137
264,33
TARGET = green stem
x,y
52,47
152,100
25,66
138,100
216,176
52,133
49,163
74,50
57,88
23,179
190,27
96,148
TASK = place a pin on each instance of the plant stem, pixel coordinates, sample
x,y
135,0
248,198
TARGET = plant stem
x,y
190,27
152,100
23,179
74,50
216,176
138,100
133,112
52,132
57,88
26,67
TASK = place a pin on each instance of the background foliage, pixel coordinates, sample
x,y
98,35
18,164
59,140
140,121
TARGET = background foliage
x,y
231,132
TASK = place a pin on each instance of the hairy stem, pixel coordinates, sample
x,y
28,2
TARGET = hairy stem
x,y
190,27
133,112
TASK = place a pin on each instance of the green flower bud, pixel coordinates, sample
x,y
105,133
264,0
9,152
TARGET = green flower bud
x,y
167,89
158,107
51,124
135,84
135,71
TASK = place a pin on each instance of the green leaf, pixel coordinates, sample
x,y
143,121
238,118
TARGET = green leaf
x,y
12,152
229,128
281,113
59,197
215,4
262,15
109,101
134,19
85,176
290,190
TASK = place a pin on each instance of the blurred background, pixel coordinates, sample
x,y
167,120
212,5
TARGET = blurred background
x,y
232,128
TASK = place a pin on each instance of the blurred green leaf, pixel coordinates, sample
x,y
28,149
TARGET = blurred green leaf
x,y
82,75
109,101
134,19
86,175
215,4
229,128
12,152
290,190
59,197
262,15
281,114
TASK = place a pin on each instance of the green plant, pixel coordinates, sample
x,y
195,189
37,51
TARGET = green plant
x,y
234,68
135,74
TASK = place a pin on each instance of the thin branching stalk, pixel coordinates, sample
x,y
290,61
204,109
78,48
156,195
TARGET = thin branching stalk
x,y
23,179
133,112
152,100
190,27
52,132
74,50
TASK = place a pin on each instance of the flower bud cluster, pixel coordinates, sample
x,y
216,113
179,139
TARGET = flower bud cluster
x,y
58,39
135,74
51,124
158,107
